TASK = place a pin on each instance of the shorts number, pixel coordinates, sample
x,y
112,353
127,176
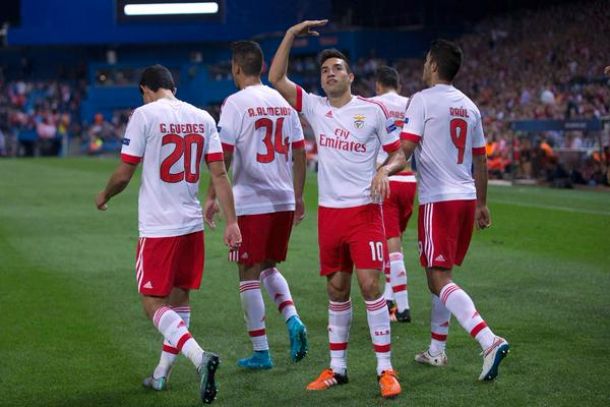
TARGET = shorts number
x,y
459,130
277,144
376,251
187,146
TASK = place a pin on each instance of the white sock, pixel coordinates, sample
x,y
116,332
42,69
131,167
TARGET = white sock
x,y
439,326
169,353
461,306
388,294
277,287
254,313
339,323
399,281
174,330
379,326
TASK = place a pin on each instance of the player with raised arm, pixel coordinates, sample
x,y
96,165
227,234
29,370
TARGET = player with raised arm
x,y
262,135
443,127
349,131
397,208
170,138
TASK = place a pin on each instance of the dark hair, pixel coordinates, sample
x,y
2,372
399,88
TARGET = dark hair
x,y
157,77
248,55
387,76
448,58
333,53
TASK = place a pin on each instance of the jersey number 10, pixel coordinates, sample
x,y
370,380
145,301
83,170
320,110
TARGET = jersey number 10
x,y
187,146
459,130
277,144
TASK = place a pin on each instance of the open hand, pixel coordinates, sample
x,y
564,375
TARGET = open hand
x,y
305,28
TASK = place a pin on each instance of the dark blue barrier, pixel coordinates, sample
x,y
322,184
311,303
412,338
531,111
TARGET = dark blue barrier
x,y
557,125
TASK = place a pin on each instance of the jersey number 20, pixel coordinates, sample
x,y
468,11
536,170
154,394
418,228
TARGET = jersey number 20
x,y
277,144
187,146
459,130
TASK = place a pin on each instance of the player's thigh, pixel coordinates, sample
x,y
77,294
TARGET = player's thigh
x,y
367,241
189,260
466,227
333,247
154,265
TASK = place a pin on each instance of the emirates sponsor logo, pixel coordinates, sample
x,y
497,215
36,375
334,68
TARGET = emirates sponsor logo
x,y
338,143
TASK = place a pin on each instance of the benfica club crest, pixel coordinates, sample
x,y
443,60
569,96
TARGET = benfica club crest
x,y
359,121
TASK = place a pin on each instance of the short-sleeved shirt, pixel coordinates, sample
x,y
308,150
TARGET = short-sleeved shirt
x,y
446,124
170,137
348,139
261,129
396,106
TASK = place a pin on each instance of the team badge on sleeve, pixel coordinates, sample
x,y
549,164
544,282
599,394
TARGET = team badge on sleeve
x,y
126,141
359,121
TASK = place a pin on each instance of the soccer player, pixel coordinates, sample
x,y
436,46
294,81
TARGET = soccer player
x,y
170,137
262,135
443,127
397,208
349,131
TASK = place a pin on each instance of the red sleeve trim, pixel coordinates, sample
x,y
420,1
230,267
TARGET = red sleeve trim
x,y
299,103
390,148
410,136
298,144
478,151
130,159
228,148
214,157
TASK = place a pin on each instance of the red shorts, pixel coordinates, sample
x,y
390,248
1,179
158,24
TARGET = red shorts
x,y
397,209
444,230
166,262
350,236
264,238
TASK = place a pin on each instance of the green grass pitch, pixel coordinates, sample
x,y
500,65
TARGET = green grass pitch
x,y
72,332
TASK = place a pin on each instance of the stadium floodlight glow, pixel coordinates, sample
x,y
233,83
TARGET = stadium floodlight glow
x,y
166,9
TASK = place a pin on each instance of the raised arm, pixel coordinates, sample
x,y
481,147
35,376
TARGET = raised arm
x,y
279,65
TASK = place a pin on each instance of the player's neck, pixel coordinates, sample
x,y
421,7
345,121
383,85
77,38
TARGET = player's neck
x,y
250,81
163,94
437,81
340,101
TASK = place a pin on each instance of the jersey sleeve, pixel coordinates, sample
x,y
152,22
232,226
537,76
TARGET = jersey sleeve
x,y
297,139
134,140
413,127
387,131
212,148
478,137
305,102
229,125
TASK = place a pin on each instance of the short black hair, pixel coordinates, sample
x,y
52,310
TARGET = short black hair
x,y
448,57
248,55
333,53
387,76
157,77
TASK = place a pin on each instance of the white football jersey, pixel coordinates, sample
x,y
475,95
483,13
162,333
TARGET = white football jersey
x,y
348,140
171,137
261,129
396,106
446,124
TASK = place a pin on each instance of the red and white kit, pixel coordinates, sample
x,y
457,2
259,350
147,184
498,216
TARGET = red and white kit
x,y
348,139
170,138
446,124
261,130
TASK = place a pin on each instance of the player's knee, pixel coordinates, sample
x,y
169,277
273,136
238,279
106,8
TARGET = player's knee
x,y
370,289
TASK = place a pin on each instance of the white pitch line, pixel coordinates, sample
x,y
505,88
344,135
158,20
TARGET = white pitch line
x,y
552,207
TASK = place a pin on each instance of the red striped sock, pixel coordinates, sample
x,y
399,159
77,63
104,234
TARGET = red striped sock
x,y
277,287
378,318
339,323
254,312
461,306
